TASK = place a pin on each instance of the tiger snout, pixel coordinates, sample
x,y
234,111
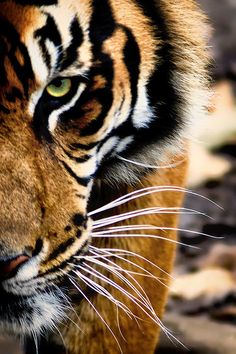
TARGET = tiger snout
x,y
39,209
43,228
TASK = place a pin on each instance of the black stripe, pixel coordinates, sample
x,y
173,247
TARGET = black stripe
x,y
81,196
61,249
80,159
132,59
4,110
23,71
102,24
49,32
163,96
65,263
101,28
71,53
36,2
86,147
82,181
13,95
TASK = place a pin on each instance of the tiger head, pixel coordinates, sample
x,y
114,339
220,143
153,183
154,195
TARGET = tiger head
x,y
83,85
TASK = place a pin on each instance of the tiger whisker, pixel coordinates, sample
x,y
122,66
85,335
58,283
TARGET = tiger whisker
x,y
152,315
118,256
60,334
114,229
105,256
101,276
140,302
119,268
34,335
146,191
146,211
104,292
70,307
158,237
118,325
94,308
137,163
115,269
133,254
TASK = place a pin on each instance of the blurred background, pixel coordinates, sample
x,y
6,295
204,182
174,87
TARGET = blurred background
x,y
202,307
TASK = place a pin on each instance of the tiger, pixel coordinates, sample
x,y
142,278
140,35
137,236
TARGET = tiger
x,y
97,102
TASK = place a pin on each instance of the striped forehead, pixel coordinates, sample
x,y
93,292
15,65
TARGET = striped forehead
x,y
59,44
56,37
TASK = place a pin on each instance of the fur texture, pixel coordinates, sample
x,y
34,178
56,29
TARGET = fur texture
x,y
136,75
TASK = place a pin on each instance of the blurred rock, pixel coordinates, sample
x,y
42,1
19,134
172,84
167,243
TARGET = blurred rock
x,y
199,335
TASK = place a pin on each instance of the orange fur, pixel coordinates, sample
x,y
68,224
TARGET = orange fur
x,y
141,337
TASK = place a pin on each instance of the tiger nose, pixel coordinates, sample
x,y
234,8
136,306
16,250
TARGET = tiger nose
x,y
8,268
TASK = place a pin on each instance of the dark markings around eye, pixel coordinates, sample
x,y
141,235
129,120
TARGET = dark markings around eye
x,y
101,28
49,32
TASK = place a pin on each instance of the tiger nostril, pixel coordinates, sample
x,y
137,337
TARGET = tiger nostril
x,y
9,267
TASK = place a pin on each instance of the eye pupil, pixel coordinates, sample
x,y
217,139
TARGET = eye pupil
x,y
58,83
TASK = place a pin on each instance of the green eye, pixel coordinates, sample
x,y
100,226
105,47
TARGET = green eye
x,y
59,88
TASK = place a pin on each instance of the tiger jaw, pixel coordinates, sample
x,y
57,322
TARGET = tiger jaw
x,y
31,314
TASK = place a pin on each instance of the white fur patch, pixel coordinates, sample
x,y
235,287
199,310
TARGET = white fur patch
x,y
142,114
84,169
124,143
39,66
107,147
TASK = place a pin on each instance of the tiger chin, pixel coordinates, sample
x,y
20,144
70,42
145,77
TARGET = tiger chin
x,y
96,101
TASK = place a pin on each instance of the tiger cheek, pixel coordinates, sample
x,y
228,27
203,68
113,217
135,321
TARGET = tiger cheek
x,y
39,199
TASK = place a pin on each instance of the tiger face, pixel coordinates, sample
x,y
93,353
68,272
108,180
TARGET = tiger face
x,y
83,85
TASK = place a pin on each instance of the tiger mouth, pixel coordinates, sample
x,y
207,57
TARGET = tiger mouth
x,y
34,305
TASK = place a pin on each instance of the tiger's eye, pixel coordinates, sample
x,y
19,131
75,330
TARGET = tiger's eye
x,y
59,88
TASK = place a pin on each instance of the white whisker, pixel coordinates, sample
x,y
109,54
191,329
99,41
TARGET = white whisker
x,y
94,308
150,236
133,254
119,256
146,191
140,302
152,315
115,229
102,291
68,307
60,334
131,273
141,212
34,335
158,167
